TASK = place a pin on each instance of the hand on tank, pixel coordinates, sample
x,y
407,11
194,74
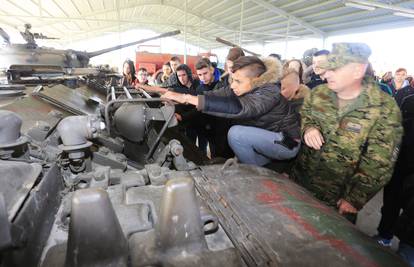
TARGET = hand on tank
x,y
178,117
181,98
345,207
177,97
141,86
151,89
313,138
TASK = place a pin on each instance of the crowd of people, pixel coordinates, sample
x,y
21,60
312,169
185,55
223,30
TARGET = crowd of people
x,y
347,132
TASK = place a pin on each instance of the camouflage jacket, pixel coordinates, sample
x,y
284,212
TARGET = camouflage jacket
x,y
361,145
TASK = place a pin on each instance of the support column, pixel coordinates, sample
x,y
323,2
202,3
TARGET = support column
x,y
287,37
324,42
199,35
241,23
185,33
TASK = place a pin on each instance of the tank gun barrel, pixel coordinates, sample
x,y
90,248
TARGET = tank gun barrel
x,y
218,39
41,36
106,50
5,36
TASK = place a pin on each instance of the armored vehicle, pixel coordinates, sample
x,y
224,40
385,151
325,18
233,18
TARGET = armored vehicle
x,y
89,178
22,61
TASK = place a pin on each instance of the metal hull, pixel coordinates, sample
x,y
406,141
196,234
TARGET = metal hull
x,y
155,214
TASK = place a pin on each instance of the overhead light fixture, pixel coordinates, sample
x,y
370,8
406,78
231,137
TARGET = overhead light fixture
x,y
402,14
364,7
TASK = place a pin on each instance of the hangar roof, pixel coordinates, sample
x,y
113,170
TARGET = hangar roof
x,y
248,21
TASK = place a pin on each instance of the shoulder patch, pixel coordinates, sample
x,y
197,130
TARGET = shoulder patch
x,y
353,127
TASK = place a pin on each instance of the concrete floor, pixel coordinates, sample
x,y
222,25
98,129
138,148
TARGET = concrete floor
x,y
369,217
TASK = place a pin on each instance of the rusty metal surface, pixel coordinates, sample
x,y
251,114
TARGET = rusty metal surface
x,y
88,92
33,110
274,222
17,179
270,220
74,101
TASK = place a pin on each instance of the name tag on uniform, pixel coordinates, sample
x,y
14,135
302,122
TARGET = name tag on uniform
x,y
353,127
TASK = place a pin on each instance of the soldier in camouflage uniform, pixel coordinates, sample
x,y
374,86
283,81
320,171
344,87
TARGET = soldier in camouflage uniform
x,y
351,130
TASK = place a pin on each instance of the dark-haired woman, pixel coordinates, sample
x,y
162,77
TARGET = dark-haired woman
x,y
128,71
164,74
296,65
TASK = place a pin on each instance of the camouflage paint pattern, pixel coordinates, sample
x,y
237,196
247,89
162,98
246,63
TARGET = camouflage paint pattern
x,y
344,53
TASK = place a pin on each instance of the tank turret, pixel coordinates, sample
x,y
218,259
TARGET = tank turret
x,y
26,60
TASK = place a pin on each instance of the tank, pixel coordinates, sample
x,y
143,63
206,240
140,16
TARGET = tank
x,y
28,60
102,178
96,178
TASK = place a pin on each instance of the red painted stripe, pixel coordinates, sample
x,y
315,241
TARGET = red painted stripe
x,y
275,200
297,194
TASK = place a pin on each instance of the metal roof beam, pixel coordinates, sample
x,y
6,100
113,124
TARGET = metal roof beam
x,y
200,4
99,30
282,23
282,20
69,19
372,27
238,14
263,21
282,40
41,7
342,17
324,12
215,22
291,3
282,31
220,13
29,15
214,6
215,32
364,20
384,6
323,3
285,14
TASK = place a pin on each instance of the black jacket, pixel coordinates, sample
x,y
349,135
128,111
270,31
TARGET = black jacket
x,y
202,88
223,82
402,94
405,166
315,80
263,107
187,112
404,228
181,88
171,81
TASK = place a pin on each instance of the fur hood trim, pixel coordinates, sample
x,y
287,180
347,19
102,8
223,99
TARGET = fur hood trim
x,y
302,92
272,74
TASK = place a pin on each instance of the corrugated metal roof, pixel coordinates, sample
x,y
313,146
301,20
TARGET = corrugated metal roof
x,y
259,20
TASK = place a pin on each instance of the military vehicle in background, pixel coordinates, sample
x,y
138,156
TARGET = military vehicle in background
x,y
21,62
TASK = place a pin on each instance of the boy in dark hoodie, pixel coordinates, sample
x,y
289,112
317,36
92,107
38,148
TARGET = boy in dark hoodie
x,y
185,82
185,85
207,128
